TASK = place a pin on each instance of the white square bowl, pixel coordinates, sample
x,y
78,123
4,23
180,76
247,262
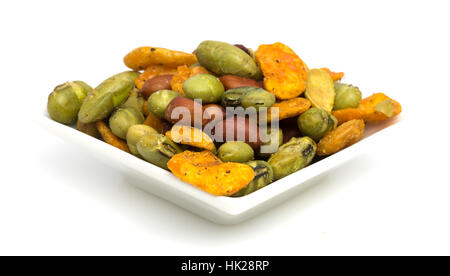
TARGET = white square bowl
x,y
219,209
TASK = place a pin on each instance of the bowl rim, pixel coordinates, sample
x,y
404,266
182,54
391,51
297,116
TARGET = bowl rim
x,y
226,209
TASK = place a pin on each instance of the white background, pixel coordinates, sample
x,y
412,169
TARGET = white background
x,y
392,199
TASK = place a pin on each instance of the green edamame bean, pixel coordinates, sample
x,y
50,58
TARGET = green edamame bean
x,y
65,101
226,59
239,152
316,122
123,119
158,101
347,96
101,101
263,177
273,143
135,100
296,154
157,149
206,87
233,97
85,86
257,98
135,133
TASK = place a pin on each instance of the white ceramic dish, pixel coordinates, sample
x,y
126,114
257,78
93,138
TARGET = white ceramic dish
x,y
223,210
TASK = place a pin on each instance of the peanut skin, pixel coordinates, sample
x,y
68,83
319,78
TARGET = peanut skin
x,y
244,130
154,84
191,105
231,81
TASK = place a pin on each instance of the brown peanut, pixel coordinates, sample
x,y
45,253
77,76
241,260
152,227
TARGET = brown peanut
x,y
207,113
244,130
231,81
154,84
190,106
213,112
